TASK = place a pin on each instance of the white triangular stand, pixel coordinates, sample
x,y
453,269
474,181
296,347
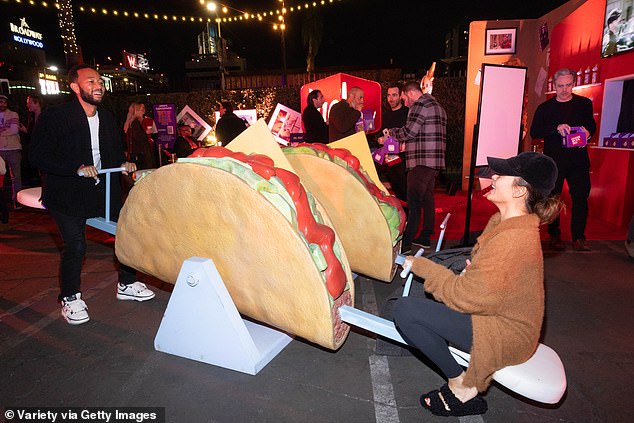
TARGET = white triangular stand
x,y
201,323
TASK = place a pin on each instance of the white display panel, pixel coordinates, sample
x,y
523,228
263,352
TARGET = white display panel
x,y
500,112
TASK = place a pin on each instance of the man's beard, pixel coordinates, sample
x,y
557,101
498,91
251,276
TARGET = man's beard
x,y
88,98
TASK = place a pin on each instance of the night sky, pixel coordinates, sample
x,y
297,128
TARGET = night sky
x,y
355,32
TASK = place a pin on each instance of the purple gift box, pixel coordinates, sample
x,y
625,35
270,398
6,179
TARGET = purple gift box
x,y
626,140
379,155
391,145
576,138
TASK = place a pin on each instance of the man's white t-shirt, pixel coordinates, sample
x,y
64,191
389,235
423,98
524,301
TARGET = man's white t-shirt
x,y
93,122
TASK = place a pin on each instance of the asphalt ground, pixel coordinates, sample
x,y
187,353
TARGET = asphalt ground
x,y
111,362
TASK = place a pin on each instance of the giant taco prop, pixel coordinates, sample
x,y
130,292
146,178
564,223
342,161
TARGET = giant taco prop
x,y
369,221
272,244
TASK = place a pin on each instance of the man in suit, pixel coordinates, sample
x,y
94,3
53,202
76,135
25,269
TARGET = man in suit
x,y
314,125
70,144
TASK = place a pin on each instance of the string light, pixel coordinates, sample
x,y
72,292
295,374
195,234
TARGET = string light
x,y
233,14
67,26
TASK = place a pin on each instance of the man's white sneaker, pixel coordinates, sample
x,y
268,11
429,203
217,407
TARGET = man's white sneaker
x,y
74,310
136,291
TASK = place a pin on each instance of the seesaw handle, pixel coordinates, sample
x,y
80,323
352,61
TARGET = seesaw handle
x,y
101,171
406,268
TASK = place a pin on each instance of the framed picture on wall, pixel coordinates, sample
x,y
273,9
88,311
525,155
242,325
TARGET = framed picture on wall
x,y
200,128
500,41
618,30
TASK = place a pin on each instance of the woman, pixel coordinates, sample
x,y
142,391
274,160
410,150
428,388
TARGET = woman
x,y
139,146
495,307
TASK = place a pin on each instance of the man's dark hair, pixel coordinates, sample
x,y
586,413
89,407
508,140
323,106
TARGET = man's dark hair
x,y
73,73
312,96
395,85
227,106
411,86
36,99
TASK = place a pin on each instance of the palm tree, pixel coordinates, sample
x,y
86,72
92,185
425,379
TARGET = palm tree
x,y
312,32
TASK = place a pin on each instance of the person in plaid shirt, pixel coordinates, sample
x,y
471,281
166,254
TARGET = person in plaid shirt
x,y
424,136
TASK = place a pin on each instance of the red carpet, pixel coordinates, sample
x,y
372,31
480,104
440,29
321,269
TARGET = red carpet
x,y
482,209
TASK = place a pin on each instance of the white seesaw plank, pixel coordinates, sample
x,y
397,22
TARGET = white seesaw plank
x,y
542,378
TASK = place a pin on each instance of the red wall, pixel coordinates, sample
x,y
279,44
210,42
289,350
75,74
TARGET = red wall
x,y
330,87
576,44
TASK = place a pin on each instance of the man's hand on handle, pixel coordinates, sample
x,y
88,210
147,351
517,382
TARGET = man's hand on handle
x,y
128,167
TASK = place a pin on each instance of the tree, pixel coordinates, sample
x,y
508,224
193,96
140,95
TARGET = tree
x,y
312,33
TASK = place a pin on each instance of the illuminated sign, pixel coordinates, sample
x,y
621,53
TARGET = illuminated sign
x,y
48,83
136,61
107,82
23,34
48,87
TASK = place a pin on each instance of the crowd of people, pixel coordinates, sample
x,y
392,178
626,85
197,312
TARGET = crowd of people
x,y
493,308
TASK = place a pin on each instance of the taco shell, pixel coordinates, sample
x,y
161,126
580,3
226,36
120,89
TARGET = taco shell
x,y
356,216
188,209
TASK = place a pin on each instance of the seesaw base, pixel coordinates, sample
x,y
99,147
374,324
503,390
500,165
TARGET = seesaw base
x,y
202,323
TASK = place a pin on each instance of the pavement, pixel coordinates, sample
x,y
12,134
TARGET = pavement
x,y
111,361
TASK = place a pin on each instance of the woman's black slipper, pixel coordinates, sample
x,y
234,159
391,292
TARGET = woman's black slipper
x,y
442,402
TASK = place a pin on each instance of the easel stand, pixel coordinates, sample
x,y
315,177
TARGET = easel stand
x,y
201,323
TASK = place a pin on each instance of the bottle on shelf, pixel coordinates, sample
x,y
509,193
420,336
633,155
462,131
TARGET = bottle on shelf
x,y
595,74
586,76
579,77
550,84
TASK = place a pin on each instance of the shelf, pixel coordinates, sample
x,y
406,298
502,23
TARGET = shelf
x,y
610,148
580,87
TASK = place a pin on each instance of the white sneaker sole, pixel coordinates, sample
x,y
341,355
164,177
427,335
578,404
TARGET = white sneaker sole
x,y
124,297
75,322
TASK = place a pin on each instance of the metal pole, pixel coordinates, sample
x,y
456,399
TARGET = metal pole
x,y
283,57
221,58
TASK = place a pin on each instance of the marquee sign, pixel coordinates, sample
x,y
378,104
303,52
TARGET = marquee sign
x,y
48,83
135,61
23,34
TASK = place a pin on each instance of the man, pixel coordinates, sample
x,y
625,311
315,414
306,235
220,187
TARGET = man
x,y
395,116
185,144
70,144
34,106
314,125
229,125
344,115
424,136
552,121
10,147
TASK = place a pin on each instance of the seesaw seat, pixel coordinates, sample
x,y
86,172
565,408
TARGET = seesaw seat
x,y
542,378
